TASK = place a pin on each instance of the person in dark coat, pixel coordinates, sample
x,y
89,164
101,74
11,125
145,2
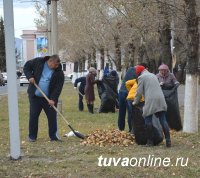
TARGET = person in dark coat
x,y
47,73
169,85
123,93
89,89
107,89
81,91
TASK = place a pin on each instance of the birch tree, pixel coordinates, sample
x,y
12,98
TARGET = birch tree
x,y
192,78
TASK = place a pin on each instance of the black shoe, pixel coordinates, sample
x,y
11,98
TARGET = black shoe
x,y
56,139
31,139
90,108
168,143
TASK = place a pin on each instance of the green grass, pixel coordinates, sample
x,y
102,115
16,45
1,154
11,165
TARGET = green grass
x,y
71,159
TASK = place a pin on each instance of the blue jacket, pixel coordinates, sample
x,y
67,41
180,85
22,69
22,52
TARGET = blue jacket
x,y
81,80
130,74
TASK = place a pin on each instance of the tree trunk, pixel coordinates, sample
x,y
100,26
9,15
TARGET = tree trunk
x,y
126,57
131,51
79,66
118,53
102,58
83,61
109,59
94,62
75,73
141,52
89,60
165,35
2,47
191,89
118,58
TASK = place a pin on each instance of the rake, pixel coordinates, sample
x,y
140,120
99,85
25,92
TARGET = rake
x,y
79,135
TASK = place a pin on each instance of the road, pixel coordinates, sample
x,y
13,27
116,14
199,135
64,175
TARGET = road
x,y
3,89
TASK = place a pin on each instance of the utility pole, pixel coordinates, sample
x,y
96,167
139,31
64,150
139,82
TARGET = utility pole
x,y
54,27
12,82
49,27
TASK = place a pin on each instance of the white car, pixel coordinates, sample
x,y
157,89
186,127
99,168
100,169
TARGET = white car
x,y
23,80
4,76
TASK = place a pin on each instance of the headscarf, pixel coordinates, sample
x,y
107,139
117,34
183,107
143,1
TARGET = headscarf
x,y
113,73
163,67
92,70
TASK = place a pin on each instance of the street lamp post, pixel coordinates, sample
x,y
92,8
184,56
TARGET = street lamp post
x,y
54,27
12,83
49,27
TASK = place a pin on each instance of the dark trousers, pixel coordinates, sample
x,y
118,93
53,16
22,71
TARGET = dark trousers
x,y
36,106
80,103
162,118
122,109
129,104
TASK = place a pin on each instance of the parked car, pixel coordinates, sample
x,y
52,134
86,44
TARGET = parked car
x,y
2,81
4,76
23,80
69,76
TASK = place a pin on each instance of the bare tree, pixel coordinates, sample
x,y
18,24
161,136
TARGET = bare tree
x,y
192,78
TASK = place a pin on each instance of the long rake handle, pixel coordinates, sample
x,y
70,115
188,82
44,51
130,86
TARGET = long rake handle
x,y
53,105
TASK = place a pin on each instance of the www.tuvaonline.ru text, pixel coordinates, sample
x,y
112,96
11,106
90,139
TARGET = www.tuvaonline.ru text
x,y
149,161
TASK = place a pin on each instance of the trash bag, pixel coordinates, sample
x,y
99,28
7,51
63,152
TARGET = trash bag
x,y
157,131
140,131
107,95
173,114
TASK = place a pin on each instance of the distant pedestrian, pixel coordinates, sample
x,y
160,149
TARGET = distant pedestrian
x,y
89,89
47,73
81,91
106,71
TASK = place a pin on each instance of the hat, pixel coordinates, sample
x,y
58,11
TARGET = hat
x,y
113,73
139,69
163,67
92,70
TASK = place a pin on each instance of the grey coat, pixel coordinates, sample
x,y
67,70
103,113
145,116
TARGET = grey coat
x,y
149,87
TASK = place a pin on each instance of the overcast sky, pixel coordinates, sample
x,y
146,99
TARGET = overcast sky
x,y
24,14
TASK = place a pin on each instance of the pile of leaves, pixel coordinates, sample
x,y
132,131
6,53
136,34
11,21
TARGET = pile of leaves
x,y
108,137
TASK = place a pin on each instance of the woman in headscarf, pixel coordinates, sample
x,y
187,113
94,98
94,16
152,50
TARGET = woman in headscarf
x,y
89,89
166,78
169,85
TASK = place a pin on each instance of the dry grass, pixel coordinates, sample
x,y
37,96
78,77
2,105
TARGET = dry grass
x,y
71,159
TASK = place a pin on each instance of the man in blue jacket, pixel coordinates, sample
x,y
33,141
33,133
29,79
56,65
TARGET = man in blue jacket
x,y
81,91
123,93
47,73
